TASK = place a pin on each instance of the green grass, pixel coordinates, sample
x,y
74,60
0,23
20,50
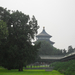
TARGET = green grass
x,y
28,72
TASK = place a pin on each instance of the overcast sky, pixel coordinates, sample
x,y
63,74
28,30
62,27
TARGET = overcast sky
x,y
57,16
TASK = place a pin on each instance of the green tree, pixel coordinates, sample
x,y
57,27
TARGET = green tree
x,y
3,30
18,50
3,36
70,49
64,52
45,48
4,14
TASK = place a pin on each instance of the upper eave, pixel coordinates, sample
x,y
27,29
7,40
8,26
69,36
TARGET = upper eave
x,y
43,34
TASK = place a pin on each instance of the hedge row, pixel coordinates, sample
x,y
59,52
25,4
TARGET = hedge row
x,y
68,68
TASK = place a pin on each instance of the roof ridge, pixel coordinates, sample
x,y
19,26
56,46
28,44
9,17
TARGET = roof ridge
x,y
44,33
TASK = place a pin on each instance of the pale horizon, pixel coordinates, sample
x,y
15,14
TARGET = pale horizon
x,y
57,16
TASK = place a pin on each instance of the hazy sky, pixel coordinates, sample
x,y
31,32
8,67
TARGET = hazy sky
x,y
58,17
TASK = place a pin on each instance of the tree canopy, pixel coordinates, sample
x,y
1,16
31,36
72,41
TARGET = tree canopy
x,y
3,30
47,49
17,50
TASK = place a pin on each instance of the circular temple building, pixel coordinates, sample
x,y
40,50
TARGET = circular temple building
x,y
44,36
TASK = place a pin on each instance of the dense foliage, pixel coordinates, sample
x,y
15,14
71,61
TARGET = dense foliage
x,y
68,68
16,33
70,49
47,49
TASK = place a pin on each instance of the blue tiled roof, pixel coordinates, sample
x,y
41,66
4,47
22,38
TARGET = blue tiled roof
x,y
43,33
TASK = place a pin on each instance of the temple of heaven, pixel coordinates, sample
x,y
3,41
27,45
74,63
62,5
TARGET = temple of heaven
x,y
44,36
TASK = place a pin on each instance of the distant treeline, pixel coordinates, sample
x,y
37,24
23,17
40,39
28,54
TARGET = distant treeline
x,y
47,49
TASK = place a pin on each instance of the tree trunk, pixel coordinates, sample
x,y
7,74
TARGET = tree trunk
x,y
9,69
21,68
25,66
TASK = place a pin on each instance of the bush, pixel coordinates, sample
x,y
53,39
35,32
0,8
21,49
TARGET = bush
x,y
68,68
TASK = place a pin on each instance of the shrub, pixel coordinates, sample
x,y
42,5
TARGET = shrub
x,y
68,68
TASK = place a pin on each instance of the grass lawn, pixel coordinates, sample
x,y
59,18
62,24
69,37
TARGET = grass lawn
x,y
28,72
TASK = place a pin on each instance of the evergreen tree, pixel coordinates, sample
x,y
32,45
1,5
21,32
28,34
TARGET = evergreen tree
x,y
18,49
70,49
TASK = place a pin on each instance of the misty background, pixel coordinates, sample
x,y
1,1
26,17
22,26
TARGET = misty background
x,y
57,16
